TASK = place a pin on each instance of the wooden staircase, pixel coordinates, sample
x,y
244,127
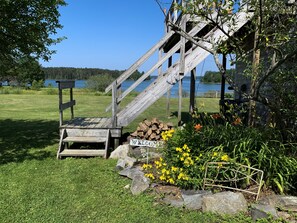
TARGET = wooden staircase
x,y
71,138
189,59
84,136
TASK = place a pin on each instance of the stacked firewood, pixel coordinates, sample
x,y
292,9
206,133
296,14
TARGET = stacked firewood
x,y
151,130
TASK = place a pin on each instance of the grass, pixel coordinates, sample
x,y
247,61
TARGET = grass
x,y
35,187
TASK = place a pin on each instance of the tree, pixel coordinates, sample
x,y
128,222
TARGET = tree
x,y
99,82
272,28
27,28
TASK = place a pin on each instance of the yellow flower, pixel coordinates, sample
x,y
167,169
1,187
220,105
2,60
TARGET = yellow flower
x,y
163,170
150,175
178,149
171,181
214,154
158,164
162,177
182,159
147,166
180,176
167,134
174,169
188,162
220,165
225,158
186,148
197,158
186,154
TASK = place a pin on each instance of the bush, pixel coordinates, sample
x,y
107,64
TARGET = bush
x,y
99,83
212,138
36,85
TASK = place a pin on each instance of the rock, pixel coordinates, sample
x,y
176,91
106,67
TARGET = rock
x,y
259,211
127,186
129,161
224,203
121,152
287,203
140,183
178,203
193,199
121,164
131,172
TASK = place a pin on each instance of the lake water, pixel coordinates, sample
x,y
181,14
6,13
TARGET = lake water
x,y
201,88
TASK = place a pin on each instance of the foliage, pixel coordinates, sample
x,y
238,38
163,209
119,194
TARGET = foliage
x,y
83,73
27,28
213,138
215,76
99,83
37,85
265,45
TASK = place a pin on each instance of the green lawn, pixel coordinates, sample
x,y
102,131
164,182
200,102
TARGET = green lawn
x,y
35,187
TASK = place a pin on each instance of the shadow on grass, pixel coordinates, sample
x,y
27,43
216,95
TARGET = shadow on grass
x,y
22,140
185,116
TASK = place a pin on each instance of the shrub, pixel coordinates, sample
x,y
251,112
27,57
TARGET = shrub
x,y
99,83
212,138
36,85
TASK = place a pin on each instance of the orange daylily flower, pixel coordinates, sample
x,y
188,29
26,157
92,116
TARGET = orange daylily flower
x,y
198,127
216,116
237,121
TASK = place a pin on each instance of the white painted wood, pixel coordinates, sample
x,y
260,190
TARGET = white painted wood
x,y
162,83
85,139
82,152
140,61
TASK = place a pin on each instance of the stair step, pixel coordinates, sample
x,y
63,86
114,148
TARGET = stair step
x,y
82,152
85,139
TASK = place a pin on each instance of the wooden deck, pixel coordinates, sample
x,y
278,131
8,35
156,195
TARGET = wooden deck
x,y
93,123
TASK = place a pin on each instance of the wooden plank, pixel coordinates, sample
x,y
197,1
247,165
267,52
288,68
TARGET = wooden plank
x,y
114,108
81,139
192,90
75,132
67,105
150,71
66,84
61,145
82,152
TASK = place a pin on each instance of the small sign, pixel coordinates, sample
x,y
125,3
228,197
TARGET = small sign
x,y
146,143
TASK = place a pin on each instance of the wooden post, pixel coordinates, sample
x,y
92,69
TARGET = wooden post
x,y
71,99
223,82
114,104
181,67
160,57
169,91
192,90
60,105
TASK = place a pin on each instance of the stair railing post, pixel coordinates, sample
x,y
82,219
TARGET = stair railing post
x,y
181,66
114,104
192,90
60,104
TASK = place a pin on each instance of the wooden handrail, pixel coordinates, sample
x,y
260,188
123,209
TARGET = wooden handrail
x,y
140,61
64,84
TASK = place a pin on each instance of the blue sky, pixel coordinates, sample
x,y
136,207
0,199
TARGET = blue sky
x,y
110,34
